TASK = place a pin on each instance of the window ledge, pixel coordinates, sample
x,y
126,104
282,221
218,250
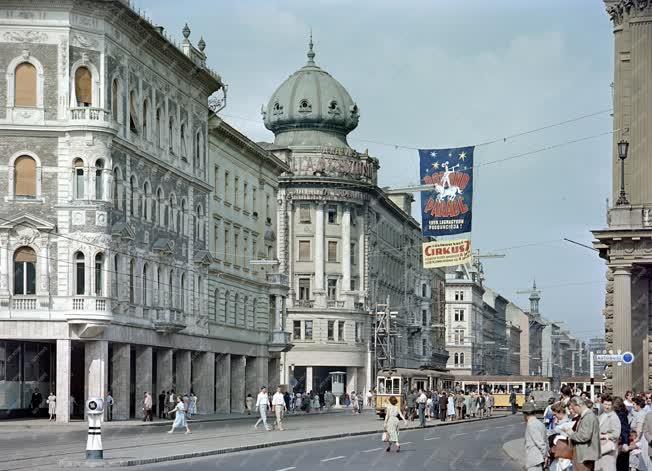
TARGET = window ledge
x,y
14,199
226,203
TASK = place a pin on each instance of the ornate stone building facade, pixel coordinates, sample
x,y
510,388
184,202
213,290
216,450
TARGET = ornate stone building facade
x,y
104,253
624,243
343,243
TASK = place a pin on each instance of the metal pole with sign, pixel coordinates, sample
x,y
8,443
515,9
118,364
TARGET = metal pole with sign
x,y
592,376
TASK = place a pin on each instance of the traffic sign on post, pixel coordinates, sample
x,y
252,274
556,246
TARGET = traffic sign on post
x,y
627,357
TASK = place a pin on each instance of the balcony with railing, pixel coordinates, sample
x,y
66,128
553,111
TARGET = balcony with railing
x,y
304,303
332,304
88,116
24,303
170,321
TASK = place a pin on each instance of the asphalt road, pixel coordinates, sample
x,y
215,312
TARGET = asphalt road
x,y
472,446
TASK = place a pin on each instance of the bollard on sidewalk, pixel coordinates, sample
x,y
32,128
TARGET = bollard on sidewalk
x,y
95,411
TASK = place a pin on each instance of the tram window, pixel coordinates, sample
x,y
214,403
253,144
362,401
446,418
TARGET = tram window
x,y
396,389
381,386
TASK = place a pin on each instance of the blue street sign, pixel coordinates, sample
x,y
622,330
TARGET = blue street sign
x,y
628,358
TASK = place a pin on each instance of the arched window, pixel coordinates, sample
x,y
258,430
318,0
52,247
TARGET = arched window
x,y
183,150
99,274
145,286
245,312
145,117
79,178
133,112
169,214
462,359
159,135
184,211
25,177
182,292
198,223
147,196
80,274
157,206
226,307
133,196
115,190
236,309
170,288
24,271
198,150
115,282
216,304
99,180
83,87
171,135
159,293
132,275
457,359
25,85
253,313
115,90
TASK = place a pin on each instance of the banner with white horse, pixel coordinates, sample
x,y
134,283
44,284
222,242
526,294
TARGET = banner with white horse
x,y
446,209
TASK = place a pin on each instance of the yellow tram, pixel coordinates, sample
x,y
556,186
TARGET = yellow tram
x,y
501,386
583,383
398,382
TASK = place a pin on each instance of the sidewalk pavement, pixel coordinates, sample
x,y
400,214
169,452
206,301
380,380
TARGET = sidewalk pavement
x,y
146,445
515,449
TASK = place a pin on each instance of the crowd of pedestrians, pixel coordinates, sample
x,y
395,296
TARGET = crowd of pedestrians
x,y
448,405
577,434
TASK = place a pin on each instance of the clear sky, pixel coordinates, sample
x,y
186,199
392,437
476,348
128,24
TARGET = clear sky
x,y
451,73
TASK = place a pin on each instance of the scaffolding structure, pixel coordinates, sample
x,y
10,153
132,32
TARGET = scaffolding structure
x,y
385,337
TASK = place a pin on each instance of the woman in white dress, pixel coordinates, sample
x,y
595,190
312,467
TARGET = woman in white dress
x,y
450,412
180,417
392,413
52,406
192,407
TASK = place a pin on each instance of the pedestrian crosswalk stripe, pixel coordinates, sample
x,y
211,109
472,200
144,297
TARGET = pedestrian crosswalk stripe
x,y
333,458
432,438
373,449
287,469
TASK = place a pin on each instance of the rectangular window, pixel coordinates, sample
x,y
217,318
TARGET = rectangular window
x,y
80,281
358,332
296,330
353,257
307,334
268,213
304,250
226,186
332,289
236,251
354,284
245,251
217,180
79,183
332,251
304,288
332,214
424,317
254,249
340,331
331,330
245,195
459,295
216,240
253,202
226,245
424,347
236,190
459,315
304,213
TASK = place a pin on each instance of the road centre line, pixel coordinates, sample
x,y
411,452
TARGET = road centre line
x,y
333,458
459,434
373,449
432,438
287,469
483,430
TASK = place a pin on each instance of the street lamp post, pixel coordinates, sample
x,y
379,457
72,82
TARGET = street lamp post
x,y
623,147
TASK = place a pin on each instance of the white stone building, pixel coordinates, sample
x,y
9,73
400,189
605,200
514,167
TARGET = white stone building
x,y
104,251
343,243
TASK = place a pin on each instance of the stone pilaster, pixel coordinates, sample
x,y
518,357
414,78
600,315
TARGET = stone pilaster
x,y
144,364
318,291
204,382
121,382
351,380
164,376
96,359
4,266
183,370
622,375
290,252
237,383
63,356
346,249
223,383
309,381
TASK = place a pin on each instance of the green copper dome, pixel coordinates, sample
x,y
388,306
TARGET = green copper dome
x,y
311,108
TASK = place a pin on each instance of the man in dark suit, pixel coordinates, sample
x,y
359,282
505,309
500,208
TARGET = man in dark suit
x,y
161,404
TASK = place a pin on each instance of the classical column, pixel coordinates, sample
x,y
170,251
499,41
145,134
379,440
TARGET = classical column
x,y
346,249
204,382
308,379
320,298
62,392
351,380
182,373
164,380
144,364
252,381
120,385
361,254
290,252
4,265
223,383
96,359
622,374
237,383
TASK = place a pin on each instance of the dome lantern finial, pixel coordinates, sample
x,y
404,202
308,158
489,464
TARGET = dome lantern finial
x,y
311,53
185,31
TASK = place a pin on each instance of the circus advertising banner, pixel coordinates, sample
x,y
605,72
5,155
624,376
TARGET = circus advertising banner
x,y
446,209
446,253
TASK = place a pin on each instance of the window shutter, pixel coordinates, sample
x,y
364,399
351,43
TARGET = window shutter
x,y
83,87
25,86
25,183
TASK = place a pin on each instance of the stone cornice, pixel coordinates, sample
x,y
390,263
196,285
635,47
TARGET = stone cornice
x,y
622,10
